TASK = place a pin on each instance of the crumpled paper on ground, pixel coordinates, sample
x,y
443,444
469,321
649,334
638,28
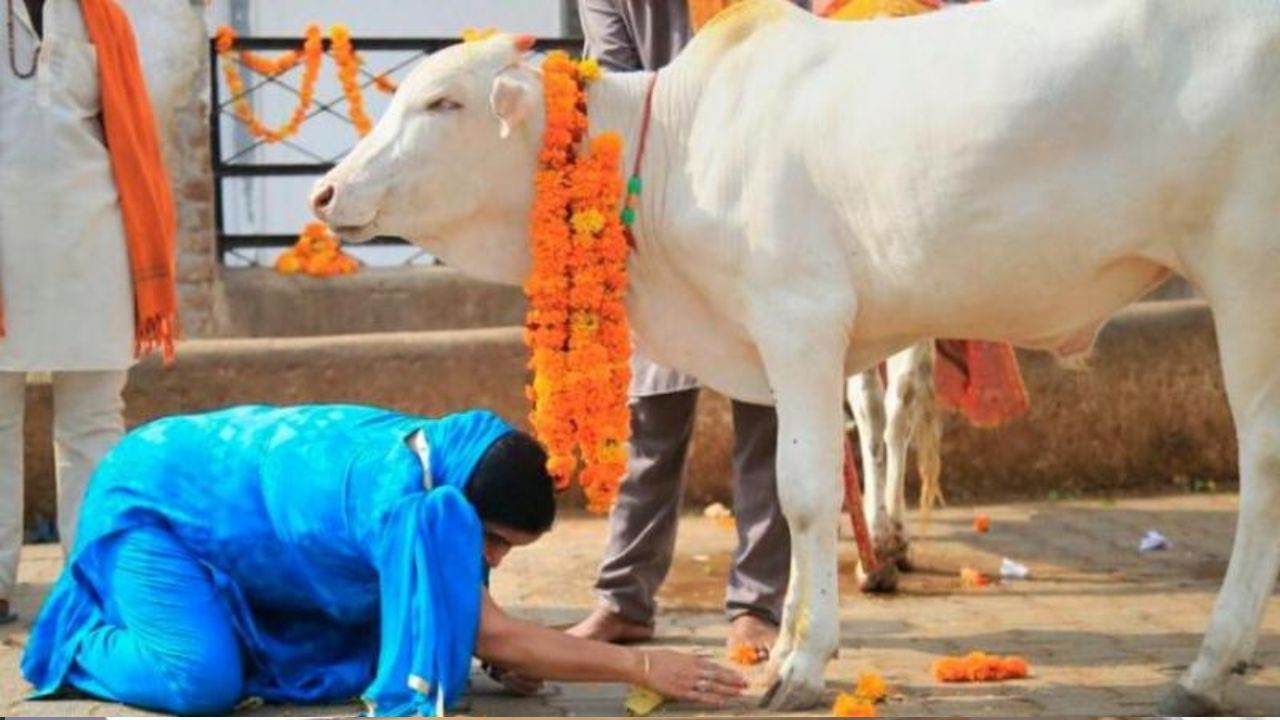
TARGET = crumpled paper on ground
x,y
1013,570
1152,541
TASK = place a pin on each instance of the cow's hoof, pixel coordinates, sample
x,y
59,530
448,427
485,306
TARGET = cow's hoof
x,y
798,686
883,580
1180,702
903,560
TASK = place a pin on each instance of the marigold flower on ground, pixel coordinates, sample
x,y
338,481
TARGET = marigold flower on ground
x,y
981,524
980,667
871,687
847,705
971,578
746,654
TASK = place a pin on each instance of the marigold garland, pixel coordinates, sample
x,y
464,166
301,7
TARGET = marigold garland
x,y
576,327
317,253
385,84
349,77
312,53
345,56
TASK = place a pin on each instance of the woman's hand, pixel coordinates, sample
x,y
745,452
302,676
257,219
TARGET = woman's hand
x,y
688,677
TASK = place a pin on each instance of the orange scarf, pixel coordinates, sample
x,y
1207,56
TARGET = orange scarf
x,y
146,201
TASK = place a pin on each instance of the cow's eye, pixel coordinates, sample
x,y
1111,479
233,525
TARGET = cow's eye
x,y
443,104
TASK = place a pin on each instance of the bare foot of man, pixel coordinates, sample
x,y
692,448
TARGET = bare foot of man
x,y
608,626
752,631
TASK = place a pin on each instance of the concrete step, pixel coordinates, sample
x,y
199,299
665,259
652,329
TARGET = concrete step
x,y
262,303
1150,415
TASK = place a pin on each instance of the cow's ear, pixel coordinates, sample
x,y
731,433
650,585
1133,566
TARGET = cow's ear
x,y
513,97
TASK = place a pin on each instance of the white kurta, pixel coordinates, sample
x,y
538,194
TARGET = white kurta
x,y
64,270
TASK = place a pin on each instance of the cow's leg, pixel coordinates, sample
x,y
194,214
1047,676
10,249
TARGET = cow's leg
x,y
806,372
866,400
1249,342
910,386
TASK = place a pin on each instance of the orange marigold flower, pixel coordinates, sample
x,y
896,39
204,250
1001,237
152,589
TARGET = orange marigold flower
x,y
288,264
971,578
847,705
981,524
745,654
871,687
224,39
980,667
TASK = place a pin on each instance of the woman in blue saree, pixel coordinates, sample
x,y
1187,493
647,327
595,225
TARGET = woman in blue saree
x,y
314,554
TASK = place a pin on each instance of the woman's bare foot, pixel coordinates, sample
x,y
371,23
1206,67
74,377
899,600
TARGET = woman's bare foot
x,y
754,632
608,626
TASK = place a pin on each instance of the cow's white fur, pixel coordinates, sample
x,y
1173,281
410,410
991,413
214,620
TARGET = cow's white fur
x,y
820,195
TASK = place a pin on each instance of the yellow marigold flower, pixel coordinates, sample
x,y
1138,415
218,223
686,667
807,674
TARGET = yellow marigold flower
x,y
589,70
589,221
478,34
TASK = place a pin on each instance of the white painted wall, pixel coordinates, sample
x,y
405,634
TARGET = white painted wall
x,y
278,205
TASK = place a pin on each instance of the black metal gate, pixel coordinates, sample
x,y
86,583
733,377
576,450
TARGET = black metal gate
x,y
241,165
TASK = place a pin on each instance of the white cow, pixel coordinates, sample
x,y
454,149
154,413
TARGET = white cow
x,y
819,195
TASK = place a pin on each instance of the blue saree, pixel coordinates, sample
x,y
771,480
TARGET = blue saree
x,y
293,554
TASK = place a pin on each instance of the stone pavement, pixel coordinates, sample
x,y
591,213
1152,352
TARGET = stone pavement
x,y
1104,628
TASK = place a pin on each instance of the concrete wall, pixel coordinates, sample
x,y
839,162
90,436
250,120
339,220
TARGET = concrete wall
x,y
263,303
1150,415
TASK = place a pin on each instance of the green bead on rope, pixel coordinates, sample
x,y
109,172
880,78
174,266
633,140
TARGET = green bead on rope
x,y
634,186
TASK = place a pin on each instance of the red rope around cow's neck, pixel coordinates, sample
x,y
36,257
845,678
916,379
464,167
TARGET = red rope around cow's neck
x,y
633,183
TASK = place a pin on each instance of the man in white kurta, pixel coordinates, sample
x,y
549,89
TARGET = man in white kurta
x,y
64,269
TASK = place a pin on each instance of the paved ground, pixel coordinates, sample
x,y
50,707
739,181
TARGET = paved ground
x,y
1105,628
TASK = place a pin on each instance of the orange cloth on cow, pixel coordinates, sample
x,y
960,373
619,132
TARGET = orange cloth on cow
x,y
146,201
701,11
981,380
867,9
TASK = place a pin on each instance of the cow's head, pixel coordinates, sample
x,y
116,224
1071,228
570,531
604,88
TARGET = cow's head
x,y
450,165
